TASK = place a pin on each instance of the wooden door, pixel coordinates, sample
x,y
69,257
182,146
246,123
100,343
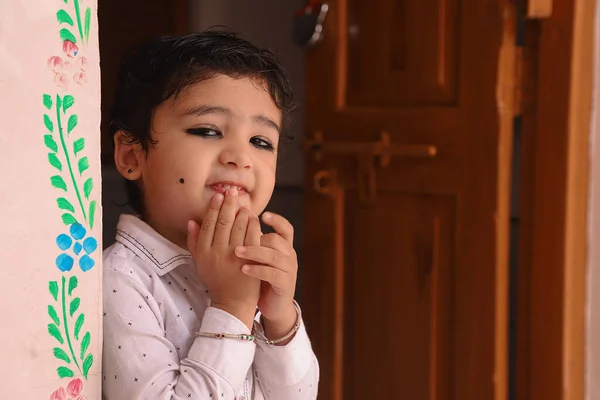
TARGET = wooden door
x,y
410,105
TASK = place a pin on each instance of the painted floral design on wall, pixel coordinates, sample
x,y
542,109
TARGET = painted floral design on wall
x,y
75,201
69,69
72,246
71,392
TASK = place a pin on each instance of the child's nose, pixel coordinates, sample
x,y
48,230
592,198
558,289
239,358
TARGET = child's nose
x,y
236,155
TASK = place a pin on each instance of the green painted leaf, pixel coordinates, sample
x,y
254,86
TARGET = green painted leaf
x,y
66,34
58,182
78,145
54,161
64,372
88,19
52,313
53,286
72,284
87,188
47,101
74,306
83,164
48,123
50,143
63,17
85,343
72,123
87,364
61,355
92,213
53,330
78,325
68,219
65,204
68,102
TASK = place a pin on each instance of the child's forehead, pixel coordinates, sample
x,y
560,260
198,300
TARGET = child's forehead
x,y
223,95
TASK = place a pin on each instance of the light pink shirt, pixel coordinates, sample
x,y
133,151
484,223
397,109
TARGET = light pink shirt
x,y
154,304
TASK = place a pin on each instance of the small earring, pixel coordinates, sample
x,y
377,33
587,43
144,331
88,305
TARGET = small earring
x,y
129,170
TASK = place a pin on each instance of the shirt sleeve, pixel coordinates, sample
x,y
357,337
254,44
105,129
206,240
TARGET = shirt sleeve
x,y
140,363
288,372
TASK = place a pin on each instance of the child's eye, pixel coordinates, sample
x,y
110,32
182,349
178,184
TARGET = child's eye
x,y
205,132
262,143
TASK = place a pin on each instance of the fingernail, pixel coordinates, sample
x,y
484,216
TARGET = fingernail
x,y
245,268
240,249
218,198
232,192
190,225
267,216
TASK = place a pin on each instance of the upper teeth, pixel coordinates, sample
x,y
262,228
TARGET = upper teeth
x,y
227,186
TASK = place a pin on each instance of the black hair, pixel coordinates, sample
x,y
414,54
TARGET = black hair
x,y
160,69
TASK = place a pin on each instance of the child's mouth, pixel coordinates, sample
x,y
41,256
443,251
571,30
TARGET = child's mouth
x,y
224,187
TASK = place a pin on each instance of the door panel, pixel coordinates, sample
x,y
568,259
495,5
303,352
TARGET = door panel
x,y
409,114
398,312
405,56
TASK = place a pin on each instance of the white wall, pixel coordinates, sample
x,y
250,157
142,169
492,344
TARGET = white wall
x,y
50,301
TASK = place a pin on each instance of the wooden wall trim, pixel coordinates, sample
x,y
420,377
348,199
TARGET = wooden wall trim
x,y
557,206
575,263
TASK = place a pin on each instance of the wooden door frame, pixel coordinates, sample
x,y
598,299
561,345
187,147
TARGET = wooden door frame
x,y
553,260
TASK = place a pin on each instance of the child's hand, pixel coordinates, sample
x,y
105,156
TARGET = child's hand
x,y
277,267
219,270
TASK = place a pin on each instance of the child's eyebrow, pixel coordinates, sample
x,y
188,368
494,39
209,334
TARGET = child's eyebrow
x,y
206,109
266,121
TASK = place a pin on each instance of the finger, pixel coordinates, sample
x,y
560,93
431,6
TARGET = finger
x,y
253,233
264,255
266,273
277,242
207,230
281,225
192,237
226,218
240,226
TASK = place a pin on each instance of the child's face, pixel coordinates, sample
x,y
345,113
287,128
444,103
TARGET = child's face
x,y
218,133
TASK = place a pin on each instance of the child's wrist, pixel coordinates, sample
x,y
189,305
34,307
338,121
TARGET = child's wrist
x,y
243,312
279,327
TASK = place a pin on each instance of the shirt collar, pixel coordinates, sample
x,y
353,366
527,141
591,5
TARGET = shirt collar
x,y
149,245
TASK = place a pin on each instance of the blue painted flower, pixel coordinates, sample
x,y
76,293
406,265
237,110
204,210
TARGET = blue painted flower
x,y
76,242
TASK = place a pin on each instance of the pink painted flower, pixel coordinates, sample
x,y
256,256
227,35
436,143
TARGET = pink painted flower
x,y
61,80
55,63
73,391
69,69
59,394
80,77
82,63
74,387
69,65
70,48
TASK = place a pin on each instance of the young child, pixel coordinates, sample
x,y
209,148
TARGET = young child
x,y
196,123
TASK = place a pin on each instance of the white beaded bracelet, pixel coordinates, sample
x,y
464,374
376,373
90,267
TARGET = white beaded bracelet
x,y
259,335
241,336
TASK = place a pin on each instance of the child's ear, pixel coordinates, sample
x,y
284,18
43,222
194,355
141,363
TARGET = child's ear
x,y
127,152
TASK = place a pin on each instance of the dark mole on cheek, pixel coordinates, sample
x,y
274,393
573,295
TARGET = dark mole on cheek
x,y
181,180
